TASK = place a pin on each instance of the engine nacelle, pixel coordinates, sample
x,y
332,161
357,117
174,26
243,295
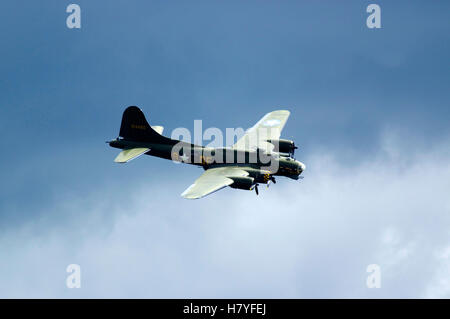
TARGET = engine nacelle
x,y
242,182
284,146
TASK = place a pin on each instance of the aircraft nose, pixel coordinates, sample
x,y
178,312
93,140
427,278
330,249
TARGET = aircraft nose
x,y
301,166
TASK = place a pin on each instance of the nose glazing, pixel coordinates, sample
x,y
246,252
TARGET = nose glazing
x,y
301,167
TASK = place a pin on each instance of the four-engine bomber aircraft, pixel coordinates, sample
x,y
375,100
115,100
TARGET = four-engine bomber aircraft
x,y
256,158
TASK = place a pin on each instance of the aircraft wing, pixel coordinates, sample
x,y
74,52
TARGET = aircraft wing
x,y
267,128
130,154
212,180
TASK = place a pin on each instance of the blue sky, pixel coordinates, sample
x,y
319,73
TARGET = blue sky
x,y
360,100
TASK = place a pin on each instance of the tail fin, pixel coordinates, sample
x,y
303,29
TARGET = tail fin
x,y
135,127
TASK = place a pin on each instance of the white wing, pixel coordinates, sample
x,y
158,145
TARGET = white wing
x,y
211,181
267,128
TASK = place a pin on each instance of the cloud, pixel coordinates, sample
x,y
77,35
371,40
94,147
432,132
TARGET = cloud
x,y
439,286
312,238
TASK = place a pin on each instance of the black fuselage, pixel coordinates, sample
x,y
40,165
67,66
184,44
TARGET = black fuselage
x,y
258,160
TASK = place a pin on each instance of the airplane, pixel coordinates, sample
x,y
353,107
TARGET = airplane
x,y
256,158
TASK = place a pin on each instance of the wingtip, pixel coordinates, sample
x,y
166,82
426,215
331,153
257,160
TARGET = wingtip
x,y
188,197
186,194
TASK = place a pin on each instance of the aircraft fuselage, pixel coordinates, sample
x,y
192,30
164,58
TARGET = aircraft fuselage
x,y
258,162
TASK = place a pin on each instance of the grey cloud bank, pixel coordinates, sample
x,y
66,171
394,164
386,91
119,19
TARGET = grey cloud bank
x,y
312,238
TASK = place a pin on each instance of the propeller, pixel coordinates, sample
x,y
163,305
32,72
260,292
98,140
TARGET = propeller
x,y
292,153
255,187
272,179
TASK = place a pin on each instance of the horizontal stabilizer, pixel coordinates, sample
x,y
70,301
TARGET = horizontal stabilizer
x,y
158,129
129,154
